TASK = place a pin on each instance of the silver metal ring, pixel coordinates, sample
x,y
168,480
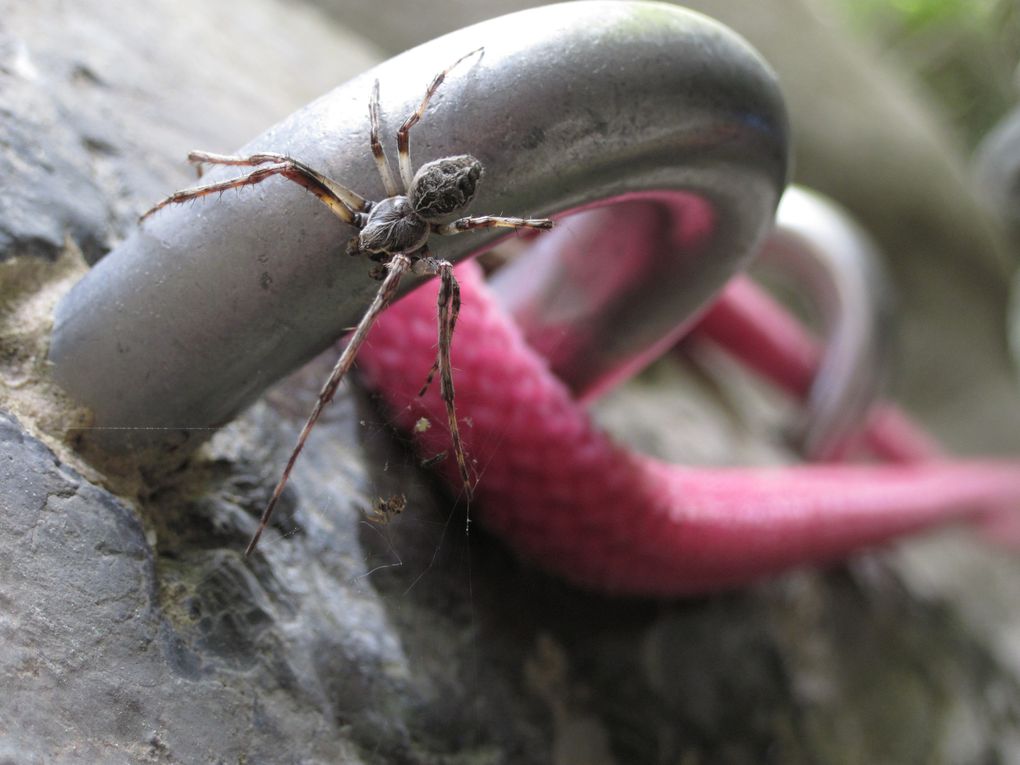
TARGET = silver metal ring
x,y
837,267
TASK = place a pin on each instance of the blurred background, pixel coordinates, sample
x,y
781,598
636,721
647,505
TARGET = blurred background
x,y
891,101
965,53
903,111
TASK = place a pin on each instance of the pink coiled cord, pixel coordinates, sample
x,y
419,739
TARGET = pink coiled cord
x,y
565,496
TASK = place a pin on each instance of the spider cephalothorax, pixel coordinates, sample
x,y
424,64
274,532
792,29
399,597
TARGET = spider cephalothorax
x,y
393,232
390,226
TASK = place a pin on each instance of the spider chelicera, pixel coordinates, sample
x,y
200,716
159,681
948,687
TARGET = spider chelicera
x,y
394,233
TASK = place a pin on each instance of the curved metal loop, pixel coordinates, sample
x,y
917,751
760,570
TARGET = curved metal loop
x,y
996,169
568,106
836,266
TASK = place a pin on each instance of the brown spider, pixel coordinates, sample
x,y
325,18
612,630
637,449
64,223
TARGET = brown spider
x,y
394,233
385,510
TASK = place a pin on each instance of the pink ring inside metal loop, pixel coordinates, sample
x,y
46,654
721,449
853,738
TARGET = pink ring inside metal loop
x,y
614,286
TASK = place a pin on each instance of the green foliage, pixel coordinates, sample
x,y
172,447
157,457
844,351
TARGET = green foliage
x,y
966,51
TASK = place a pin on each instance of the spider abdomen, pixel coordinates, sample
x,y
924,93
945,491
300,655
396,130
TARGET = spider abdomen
x,y
444,186
393,226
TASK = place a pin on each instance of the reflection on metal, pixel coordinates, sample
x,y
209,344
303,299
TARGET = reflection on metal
x,y
997,177
836,266
569,106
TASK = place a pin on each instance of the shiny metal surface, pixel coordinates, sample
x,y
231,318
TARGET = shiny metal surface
x,y
997,171
997,178
835,265
569,106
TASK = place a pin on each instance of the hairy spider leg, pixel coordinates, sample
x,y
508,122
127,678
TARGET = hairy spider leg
x,y
385,172
349,197
398,265
454,302
403,137
448,304
461,225
341,200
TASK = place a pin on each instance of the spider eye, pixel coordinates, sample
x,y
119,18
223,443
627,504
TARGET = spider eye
x,y
443,187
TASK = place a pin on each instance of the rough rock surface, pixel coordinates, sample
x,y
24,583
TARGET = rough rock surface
x,y
132,630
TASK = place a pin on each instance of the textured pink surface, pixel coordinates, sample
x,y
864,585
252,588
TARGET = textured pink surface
x,y
560,492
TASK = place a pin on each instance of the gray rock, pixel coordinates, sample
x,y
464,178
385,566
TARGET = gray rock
x,y
45,189
118,650
115,650
103,102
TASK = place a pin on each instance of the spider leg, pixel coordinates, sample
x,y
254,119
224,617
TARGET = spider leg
x,y
461,225
389,183
199,158
448,304
452,304
344,203
351,198
398,266
403,138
